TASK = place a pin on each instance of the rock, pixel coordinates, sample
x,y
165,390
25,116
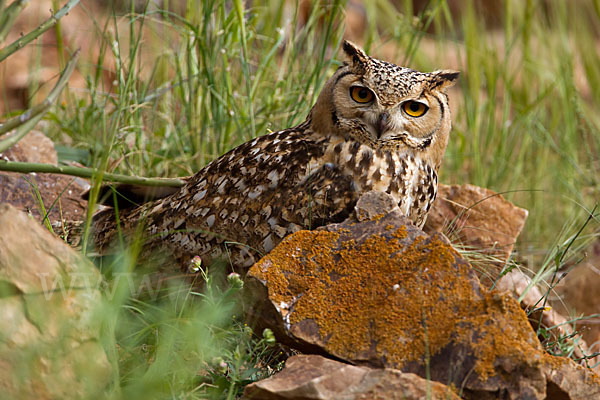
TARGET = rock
x,y
49,336
314,377
540,314
568,381
478,218
16,190
34,147
373,204
383,293
577,294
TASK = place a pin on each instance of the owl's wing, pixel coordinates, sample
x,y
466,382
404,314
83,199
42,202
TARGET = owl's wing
x,y
327,195
244,203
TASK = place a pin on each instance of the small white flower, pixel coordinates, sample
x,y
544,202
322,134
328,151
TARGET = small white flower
x,y
195,264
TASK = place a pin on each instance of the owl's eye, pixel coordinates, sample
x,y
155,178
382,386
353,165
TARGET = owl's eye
x,y
361,94
414,108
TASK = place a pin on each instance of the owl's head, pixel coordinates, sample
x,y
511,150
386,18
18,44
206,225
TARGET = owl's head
x,y
384,105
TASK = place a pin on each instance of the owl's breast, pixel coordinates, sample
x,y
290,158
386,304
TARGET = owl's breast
x,y
409,179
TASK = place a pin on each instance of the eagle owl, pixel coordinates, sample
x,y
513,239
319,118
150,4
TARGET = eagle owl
x,y
375,126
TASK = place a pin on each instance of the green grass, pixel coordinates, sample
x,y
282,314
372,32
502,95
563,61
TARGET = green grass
x,y
189,87
192,83
182,343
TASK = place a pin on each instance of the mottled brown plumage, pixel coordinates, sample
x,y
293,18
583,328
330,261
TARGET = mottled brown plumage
x,y
375,126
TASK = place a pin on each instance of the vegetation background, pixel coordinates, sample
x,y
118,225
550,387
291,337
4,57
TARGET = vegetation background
x,y
164,87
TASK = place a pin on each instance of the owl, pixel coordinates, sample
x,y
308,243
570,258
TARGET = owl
x,y
375,126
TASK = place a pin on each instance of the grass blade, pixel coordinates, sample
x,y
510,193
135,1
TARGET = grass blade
x,y
17,44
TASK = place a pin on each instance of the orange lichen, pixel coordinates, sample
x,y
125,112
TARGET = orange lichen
x,y
393,299
400,233
496,328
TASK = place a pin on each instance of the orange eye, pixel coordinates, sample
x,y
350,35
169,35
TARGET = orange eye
x,y
361,94
414,108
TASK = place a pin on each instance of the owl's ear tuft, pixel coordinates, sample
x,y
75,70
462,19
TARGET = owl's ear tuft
x,y
357,58
443,79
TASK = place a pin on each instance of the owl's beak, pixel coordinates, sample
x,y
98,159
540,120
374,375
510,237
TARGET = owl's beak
x,y
383,124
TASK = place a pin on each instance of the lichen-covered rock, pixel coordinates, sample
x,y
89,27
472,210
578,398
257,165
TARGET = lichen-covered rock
x,y
478,218
49,343
61,195
385,294
308,377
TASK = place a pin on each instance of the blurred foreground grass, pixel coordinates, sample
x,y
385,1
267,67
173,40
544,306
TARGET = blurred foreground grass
x,y
172,88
